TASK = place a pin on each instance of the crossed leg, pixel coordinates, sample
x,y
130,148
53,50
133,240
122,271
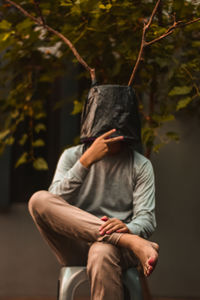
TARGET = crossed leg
x,y
66,227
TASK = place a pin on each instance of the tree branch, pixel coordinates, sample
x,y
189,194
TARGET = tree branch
x,y
153,14
144,43
145,28
139,56
40,22
37,6
171,29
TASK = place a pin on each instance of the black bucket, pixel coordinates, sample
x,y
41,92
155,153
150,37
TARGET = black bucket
x,y
108,107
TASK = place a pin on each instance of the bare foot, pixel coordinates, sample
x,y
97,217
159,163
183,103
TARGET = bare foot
x,y
146,251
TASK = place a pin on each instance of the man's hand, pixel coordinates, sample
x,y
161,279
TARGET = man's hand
x,y
99,148
112,225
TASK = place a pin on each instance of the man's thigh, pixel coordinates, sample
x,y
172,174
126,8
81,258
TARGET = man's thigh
x,y
100,251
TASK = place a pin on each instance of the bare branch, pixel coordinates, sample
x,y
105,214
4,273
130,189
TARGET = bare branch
x,y
40,21
37,6
153,14
145,28
169,31
190,22
158,38
139,56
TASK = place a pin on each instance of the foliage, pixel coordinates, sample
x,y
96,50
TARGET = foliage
x,y
107,34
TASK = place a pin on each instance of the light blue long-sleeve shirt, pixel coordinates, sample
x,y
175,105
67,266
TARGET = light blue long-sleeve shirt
x,y
120,186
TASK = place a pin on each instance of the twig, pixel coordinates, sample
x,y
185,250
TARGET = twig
x,y
145,28
144,43
37,6
40,21
194,84
153,14
171,29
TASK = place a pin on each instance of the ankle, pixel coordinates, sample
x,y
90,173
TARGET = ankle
x,y
128,240
124,240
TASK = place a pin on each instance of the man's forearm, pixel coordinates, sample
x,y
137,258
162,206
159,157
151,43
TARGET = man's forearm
x,y
86,160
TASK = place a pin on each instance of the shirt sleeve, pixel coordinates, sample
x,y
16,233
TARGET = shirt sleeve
x,y
143,222
69,176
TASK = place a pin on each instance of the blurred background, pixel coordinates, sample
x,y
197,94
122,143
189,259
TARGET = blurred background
x,y
42,92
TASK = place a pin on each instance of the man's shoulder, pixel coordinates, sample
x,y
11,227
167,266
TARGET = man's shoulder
x,y
74,151
71,154
140,162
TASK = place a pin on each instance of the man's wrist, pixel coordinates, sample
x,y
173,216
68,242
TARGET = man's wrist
x,y
86,161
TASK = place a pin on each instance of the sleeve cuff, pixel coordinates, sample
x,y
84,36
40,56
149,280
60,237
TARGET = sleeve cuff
x,y
134,228
79,171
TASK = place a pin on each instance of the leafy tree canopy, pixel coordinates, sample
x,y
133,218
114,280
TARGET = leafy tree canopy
x,y
107,34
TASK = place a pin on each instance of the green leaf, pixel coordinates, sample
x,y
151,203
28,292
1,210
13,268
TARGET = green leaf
x,y
24,25
46,78
147,135
23,159
157,147
196,44
5,25
180,90
107,6
5,36
163,118
77,107
40,115
38,143
102,6
46,12
65,3
23,139
40,127
183,103
15,114
173,136
10,140
4,133
40,164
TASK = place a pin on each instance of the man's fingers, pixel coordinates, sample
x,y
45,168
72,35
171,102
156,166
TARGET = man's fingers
x,y
105,224
110,226
113,229
107,133
113,140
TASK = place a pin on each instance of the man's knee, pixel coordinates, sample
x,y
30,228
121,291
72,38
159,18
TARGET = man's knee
x,y
38,202
102,256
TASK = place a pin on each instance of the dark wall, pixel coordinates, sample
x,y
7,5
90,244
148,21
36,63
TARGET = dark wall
x,y
177,170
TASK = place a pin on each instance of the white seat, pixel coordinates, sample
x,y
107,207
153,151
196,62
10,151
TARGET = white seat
x,y
72,277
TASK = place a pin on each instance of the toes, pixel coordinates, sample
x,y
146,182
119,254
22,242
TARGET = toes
x,y
148,270
149,267
152,261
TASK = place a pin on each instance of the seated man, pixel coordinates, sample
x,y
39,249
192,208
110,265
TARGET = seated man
x,y
99,211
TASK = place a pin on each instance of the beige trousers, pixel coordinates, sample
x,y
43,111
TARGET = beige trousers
x,y
73,235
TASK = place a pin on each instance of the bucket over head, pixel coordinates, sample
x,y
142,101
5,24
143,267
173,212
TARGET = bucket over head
x,y
108,107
